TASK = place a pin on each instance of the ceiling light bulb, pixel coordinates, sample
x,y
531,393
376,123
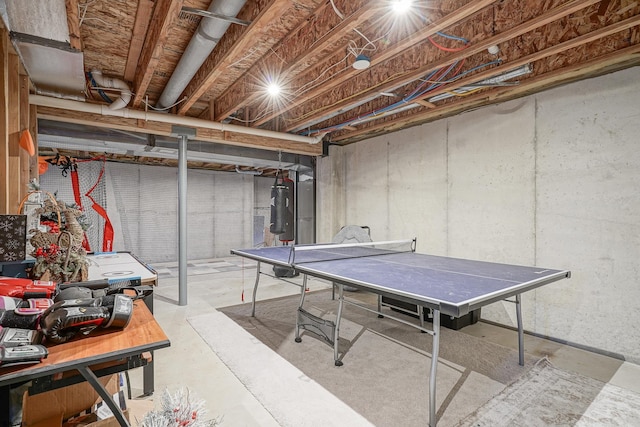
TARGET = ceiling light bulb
x,y
273,89
362,62
401,6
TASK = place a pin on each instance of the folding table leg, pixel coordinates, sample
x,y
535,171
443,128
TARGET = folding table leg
x,y
300,304
104,394
434,367
336,338
520,331
255,291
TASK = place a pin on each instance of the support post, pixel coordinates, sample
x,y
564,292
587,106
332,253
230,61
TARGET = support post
x,y
182,220
183,133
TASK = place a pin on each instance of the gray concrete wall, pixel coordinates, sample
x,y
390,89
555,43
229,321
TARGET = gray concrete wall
x,y
143,206
550,180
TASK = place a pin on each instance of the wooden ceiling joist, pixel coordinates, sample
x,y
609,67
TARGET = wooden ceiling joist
x,y
309,46
165,13
211,69
73,21
387,54
480,46
165,129
620,59
140,27
229,101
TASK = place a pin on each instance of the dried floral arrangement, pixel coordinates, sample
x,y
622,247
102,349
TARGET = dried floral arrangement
x,y
59,252
179,409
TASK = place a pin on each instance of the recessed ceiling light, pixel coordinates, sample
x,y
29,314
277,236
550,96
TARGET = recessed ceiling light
x,y
362,62
401,6
273,89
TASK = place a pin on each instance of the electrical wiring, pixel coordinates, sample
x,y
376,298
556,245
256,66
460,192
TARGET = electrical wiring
x,y
84,12
452,37
355,50
383,110
165,108
251,52
446,49
335,9
434,82
438,77
448,36
311,113
94,85
464,73
301,89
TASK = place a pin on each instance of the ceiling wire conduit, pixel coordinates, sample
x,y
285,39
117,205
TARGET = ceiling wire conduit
x,y
200,47
104,110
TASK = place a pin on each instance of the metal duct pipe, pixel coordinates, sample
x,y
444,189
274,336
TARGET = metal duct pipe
x,y
66,104
202,43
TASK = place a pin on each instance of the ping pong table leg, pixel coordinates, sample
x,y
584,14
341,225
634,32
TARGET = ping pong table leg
x,y
520,331
255,291
302,294
336,336
434,367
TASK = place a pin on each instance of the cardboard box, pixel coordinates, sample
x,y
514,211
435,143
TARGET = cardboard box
x,y
13,238
90,420
52,407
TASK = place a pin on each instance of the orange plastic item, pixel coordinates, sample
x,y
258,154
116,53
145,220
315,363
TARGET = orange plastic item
x,y
42,165
26,142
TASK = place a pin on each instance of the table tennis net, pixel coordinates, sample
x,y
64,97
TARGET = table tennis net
x,y
333,252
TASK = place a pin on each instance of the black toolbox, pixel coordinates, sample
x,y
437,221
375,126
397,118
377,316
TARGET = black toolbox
x,y
450,322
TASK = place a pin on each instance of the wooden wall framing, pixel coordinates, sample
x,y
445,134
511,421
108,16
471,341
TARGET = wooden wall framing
x,y
17,167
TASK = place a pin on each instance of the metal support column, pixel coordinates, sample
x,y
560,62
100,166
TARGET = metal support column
x,y
183,133
182,221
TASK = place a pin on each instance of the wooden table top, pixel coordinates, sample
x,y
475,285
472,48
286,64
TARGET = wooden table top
x,y
142,334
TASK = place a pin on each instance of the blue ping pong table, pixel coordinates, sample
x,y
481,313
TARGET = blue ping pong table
x,y
451,286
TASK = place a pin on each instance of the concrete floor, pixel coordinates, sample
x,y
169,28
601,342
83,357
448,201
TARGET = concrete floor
x,y
189,362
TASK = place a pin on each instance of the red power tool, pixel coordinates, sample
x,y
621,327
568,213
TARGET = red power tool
x,y
26,288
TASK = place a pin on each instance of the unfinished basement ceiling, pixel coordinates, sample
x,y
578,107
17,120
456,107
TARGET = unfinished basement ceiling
x,y
438,59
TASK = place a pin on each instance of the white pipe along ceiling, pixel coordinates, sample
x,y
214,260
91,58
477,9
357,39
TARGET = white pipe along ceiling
x,y
104,110
111,83
58,75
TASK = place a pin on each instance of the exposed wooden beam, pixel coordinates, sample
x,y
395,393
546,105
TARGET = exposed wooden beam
x,y
617,60
229,101
4,121
211,69
73,22
425,103
539,21
143,16
25,158
13,123
165,129
165,13
382,56
545,53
